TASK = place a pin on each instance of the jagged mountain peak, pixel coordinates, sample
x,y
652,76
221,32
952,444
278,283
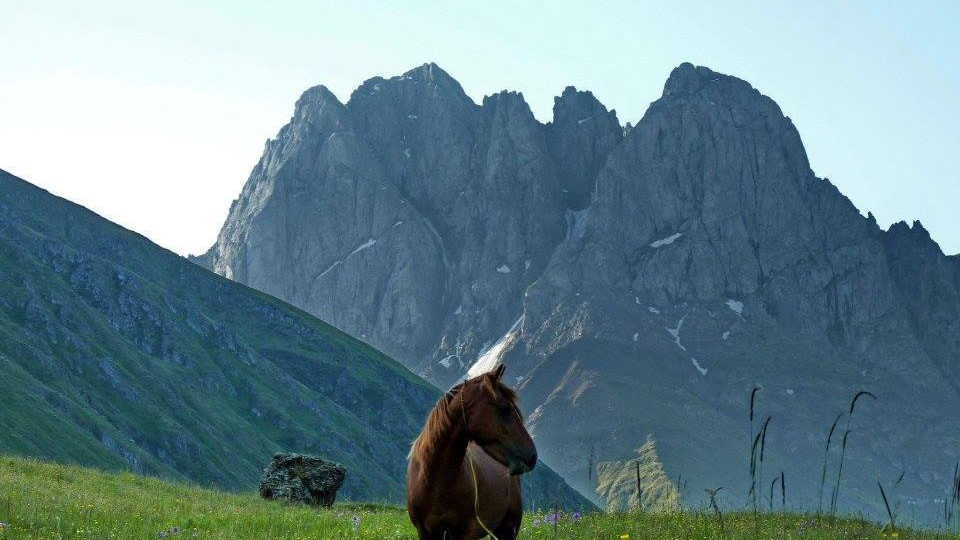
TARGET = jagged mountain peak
x,y
696,251
710,89
319,107
317,97
581,136
689,79
317,94
903,227
571,97
580,106
427,79
911,238
431,72
509,103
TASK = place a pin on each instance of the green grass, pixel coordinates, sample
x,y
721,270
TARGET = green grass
x,y
46,501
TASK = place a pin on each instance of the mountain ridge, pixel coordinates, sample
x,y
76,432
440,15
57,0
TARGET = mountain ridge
x,y
708,259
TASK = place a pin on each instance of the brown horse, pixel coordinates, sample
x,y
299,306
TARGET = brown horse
x,y
462,475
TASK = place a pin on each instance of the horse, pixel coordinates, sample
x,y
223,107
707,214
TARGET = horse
x,y
463,470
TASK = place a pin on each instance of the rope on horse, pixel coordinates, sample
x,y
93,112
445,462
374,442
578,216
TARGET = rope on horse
x,y
476,482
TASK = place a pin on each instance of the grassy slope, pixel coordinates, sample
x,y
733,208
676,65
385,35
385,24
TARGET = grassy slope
x,y
121,355
118,354
55,502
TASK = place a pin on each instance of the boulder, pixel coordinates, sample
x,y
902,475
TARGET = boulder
x,y
301,478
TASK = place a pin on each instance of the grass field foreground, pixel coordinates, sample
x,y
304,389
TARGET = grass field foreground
x,y
54,502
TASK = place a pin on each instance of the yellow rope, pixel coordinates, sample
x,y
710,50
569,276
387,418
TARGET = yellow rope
x,y
476,497
476,482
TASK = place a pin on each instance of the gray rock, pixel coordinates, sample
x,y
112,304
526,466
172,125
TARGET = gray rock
x,y
302,479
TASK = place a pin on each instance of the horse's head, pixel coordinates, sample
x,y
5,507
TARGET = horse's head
x,y
494,422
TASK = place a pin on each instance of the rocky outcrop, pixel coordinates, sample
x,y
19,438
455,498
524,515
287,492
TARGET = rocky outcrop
x,y
303,479
581,135
404,216
638,281
638,484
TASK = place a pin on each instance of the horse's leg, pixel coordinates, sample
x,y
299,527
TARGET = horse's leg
x,y
509,526
507,531
423,534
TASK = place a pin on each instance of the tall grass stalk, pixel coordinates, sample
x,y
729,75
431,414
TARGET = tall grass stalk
x,y
763,445
773,485
590,459
712,493
843,448
751,495
826,455
783,491
639,490
952,501
886,503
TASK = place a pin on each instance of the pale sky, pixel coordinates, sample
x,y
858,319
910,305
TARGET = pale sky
x,y
153,116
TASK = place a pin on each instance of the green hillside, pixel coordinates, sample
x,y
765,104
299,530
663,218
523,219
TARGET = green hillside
x,y
121,355
53,502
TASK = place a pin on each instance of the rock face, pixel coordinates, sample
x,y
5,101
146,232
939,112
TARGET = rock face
x,y
639,483
404,216
638,282
303,479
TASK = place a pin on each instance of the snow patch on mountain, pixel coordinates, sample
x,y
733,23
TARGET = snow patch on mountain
x,y
701,369
491,357
363,246
665,241
675,332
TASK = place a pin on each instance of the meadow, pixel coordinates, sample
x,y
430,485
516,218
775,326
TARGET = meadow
x,y
55,502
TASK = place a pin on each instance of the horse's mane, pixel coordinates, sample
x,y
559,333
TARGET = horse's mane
x,y
446,411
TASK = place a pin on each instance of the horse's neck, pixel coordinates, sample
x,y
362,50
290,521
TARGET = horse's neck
x,y
448,455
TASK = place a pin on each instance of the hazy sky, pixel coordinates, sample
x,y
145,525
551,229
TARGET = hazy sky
x,y
153,116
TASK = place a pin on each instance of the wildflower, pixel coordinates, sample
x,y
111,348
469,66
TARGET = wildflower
x,y
894,535
356,523
535,523
576,516
624,537
3,525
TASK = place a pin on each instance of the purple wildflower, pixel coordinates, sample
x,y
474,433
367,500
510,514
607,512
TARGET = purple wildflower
x,y
576,516
535,523
552,518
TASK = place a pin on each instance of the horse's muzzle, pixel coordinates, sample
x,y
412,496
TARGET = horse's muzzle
x,y
524,464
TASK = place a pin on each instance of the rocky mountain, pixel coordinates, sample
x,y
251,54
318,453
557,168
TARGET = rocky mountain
x,y
617,483
118,354
638,282
404,216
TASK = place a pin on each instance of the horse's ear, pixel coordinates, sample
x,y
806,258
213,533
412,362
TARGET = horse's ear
x,y
497,374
